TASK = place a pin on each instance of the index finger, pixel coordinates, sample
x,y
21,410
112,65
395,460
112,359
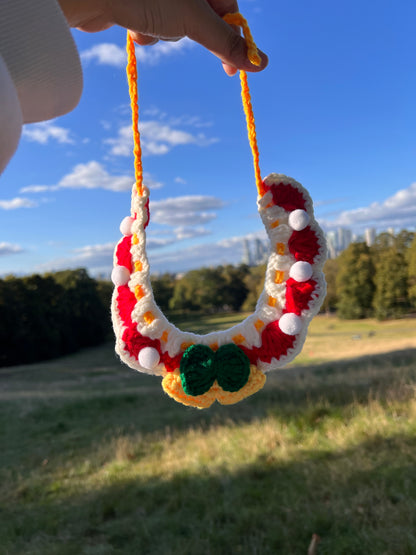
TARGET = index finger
x,y
219,37
222,7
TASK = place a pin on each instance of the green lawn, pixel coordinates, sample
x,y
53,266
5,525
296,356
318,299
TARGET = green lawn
x,y
96,459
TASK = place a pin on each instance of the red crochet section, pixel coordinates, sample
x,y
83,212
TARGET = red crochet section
x,y
170,363
147,209
135,342
133,339
123,253
125,304
274,344
252,354
298,295
304,245
287,196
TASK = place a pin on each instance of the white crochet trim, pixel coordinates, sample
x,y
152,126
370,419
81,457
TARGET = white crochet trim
x,y
278,233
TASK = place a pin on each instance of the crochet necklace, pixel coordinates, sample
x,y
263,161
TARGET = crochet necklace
x,y
228,365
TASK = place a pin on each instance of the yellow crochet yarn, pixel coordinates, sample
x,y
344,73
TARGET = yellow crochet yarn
x,y
172,385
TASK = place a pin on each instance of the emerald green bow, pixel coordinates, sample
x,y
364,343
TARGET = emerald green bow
x,y
201,366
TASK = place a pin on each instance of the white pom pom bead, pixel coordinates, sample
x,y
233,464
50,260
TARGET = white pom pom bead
x,y
120,275
125,226
298,219
290,323
301,271
149,358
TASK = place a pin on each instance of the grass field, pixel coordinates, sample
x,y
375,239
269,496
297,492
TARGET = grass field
x,y
95,459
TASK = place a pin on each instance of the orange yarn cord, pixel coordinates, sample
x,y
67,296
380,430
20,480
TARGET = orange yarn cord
x,y
132,80
253,56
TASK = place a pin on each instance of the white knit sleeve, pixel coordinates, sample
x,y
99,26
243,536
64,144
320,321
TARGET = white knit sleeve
x,y
11,118
38,53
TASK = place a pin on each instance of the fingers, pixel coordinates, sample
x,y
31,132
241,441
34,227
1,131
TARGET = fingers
x,y
222,40
229,70
142,40
222,7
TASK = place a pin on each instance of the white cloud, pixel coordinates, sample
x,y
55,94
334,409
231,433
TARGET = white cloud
x,y
150,182
225,251
16,203
111,54
44,131
189,232
122,145
96,258
95,255
156,138
38,188
153,54
91,175
153,243
99,258
399,210
185,211
180,180
192,121
157,239
9,248
105,53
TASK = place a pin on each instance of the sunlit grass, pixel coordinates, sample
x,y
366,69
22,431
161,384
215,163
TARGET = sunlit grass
x,y
96,459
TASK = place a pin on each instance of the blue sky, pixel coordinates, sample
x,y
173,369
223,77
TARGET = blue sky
x,y
335,110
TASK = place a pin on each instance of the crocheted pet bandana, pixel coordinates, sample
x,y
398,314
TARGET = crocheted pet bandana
x,y
228,365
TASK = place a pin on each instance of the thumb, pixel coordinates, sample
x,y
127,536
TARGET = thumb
x,y
222,40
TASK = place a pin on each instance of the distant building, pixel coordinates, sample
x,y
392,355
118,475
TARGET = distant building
x,y
247,258
339,239
331,243
344,237
260,252
255,253
370,236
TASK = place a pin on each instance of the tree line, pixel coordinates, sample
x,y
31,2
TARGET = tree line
x,y
46,316
220,289
377,281
50,315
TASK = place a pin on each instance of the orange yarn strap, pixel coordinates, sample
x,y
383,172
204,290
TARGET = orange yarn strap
x,y
240,21
132,80
253,56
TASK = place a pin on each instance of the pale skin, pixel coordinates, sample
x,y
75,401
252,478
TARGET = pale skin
x,y
151,20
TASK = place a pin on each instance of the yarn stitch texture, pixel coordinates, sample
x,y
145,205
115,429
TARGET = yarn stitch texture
x,y
227,365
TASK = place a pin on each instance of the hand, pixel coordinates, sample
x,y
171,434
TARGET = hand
x,y
150,20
